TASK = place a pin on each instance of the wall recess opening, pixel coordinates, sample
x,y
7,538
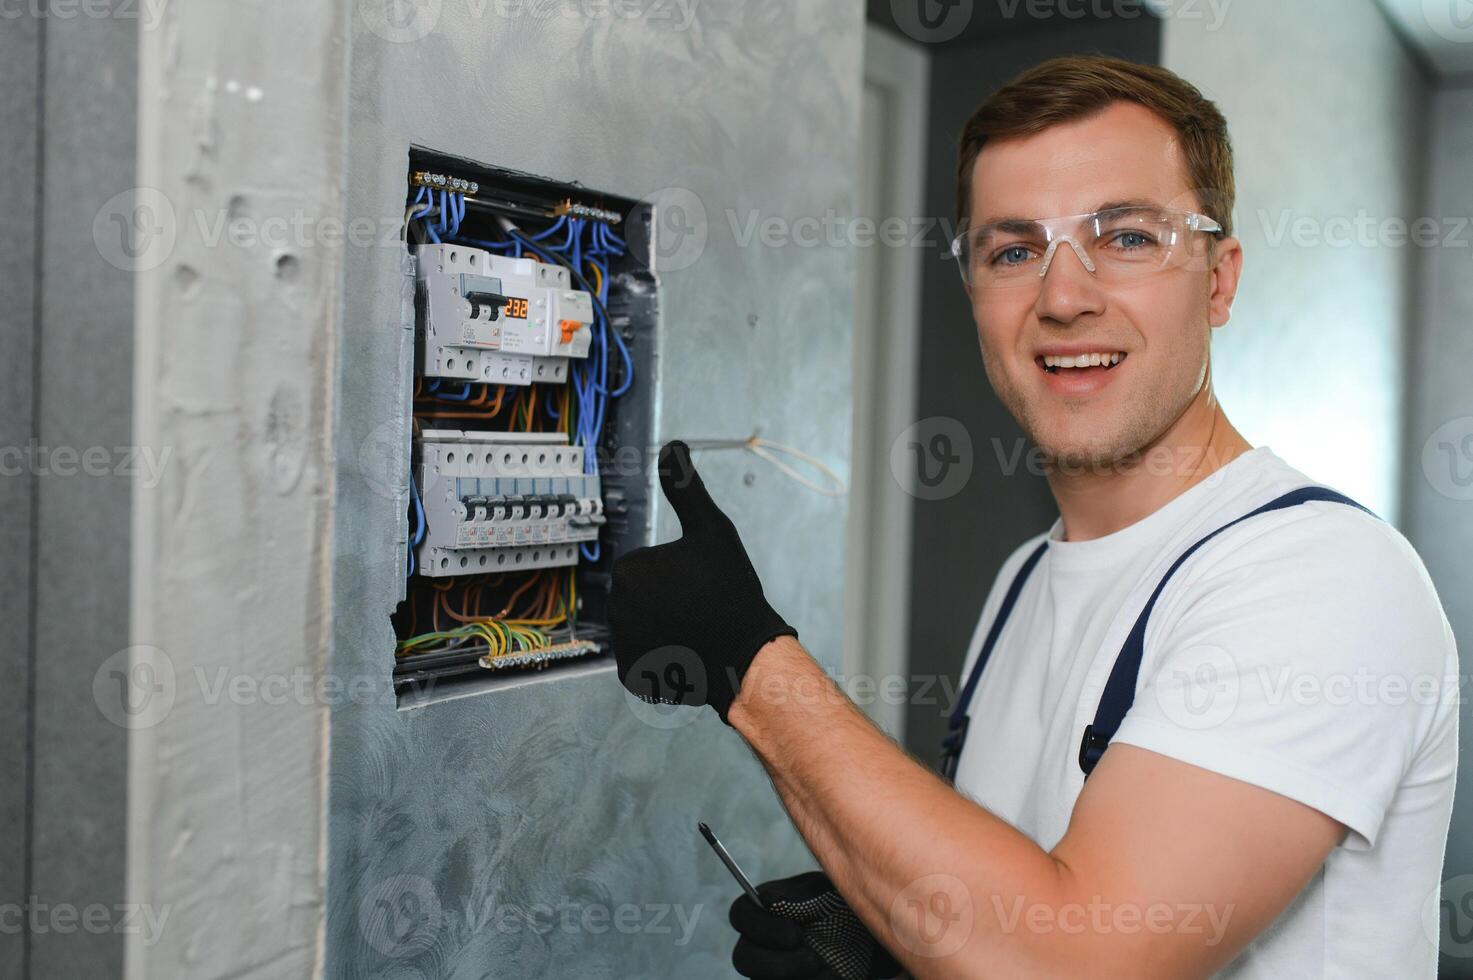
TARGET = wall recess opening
x,y
534,318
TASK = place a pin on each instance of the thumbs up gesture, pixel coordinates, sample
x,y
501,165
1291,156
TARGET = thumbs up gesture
x,y
688,616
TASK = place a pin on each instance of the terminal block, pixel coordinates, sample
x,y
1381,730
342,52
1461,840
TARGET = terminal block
x,y
498,319
503,501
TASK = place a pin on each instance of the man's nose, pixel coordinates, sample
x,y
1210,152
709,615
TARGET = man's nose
x,y
1069,289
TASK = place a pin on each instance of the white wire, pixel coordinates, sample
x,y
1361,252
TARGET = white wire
x,y
764,449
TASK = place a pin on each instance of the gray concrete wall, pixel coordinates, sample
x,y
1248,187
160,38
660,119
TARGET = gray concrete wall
x,y
20,66
1438,448
85,401
451,823
65,399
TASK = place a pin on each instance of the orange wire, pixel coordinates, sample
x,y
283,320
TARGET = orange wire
x,y
444,601
515,595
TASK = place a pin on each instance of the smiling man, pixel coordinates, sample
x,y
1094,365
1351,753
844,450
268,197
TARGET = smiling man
x,y
1206,726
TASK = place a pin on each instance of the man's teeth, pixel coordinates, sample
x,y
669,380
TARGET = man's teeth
x,y
1082,360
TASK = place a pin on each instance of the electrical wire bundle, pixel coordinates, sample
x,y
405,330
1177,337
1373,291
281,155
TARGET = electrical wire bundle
x,y
507,633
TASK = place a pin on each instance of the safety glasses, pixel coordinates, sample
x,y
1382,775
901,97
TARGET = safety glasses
x,y
1118,244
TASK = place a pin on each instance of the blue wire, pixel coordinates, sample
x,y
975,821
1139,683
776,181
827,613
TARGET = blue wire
x,y
483,243
419,525
592,390
608,329
563,222
593,555
427,199
551,229
419,514
465,393
628,365
541,250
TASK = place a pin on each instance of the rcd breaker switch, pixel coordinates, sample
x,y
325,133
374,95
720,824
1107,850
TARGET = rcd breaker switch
x,y
497,319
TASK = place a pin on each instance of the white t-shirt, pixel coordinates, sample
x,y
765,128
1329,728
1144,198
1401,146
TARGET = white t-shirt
x,y
1304,651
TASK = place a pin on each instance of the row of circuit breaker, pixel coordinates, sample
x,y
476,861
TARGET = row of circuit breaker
x,y
503,501
497,319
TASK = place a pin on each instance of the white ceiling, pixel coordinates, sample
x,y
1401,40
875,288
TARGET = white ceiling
x,y
1443,29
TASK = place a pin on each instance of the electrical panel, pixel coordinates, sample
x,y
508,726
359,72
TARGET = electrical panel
x,y
534,319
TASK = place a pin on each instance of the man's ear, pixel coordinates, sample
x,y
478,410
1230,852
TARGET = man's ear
x,y
1222,280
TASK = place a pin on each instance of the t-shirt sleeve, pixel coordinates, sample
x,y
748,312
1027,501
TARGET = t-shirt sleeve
x,y
1303,652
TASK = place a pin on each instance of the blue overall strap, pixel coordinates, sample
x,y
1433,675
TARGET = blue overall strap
x,y
951,746
1119,691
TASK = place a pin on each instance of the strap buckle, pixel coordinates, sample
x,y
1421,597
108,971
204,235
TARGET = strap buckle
x,y
1091,747
951,748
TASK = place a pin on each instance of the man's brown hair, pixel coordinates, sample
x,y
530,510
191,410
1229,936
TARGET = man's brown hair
x,y
1068,88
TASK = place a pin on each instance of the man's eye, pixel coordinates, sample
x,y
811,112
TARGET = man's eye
x,y
1012,255
1132,239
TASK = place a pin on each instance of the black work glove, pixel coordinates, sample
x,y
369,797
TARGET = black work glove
x,y
807,931
687,617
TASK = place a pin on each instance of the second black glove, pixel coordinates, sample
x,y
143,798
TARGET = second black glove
x,y
807,932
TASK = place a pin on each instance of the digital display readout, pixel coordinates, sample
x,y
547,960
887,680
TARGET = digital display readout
x,y
516,307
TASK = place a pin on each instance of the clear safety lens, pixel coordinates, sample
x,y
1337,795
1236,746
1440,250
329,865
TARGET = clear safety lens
x,y
1118,244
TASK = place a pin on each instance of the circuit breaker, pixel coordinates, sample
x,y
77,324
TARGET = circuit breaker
x,y
499,501
495,318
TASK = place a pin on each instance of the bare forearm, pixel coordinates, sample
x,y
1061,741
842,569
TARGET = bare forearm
x,y
900,844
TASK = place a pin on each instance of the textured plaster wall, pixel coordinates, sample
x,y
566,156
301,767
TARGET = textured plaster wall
x,y
240,120
1326,109
450,824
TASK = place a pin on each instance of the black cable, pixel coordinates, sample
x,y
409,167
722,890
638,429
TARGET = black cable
x,y
566,264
